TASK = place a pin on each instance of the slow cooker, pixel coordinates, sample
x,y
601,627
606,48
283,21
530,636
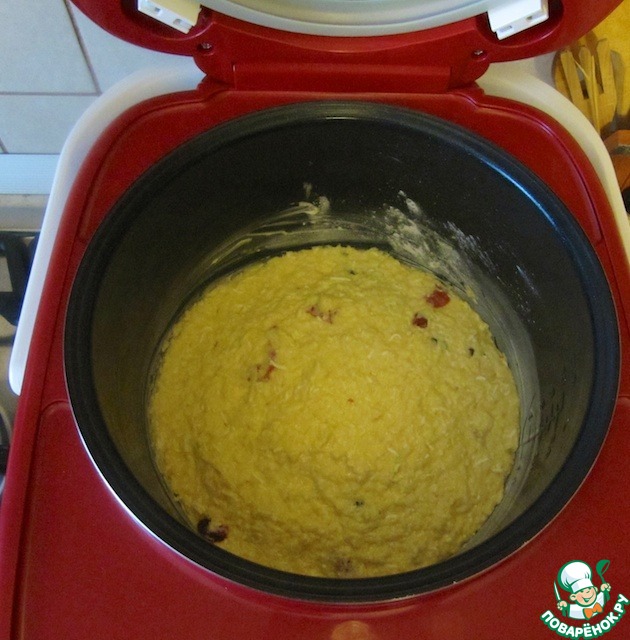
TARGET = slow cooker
x,y
310,129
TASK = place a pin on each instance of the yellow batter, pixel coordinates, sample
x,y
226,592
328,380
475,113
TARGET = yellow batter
x,y
333,412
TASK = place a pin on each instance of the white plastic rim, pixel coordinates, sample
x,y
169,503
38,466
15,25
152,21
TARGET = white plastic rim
x,y
140,86
352,17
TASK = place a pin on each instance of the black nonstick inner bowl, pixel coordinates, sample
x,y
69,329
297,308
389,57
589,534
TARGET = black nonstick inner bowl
x,y
363,174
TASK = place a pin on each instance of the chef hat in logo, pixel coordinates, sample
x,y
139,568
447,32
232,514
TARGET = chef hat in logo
x,y
575,576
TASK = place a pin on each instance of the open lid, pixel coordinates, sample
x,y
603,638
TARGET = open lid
x,y
453,39
366,18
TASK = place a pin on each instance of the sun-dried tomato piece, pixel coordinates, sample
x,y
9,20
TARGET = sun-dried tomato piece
x,y
213,535
326,316
438,298
203,525
264,370
419,321
264,373
219,534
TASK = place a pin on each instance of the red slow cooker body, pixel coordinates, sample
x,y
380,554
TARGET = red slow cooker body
x,y
75,565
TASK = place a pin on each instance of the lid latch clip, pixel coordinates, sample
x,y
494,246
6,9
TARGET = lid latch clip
x,y
514,16
179,14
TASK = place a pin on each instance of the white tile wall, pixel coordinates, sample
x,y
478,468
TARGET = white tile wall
x,y
39,123
54,63
40,51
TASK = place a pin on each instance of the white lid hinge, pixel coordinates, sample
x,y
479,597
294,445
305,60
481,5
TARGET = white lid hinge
x,y
515,16
179,14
